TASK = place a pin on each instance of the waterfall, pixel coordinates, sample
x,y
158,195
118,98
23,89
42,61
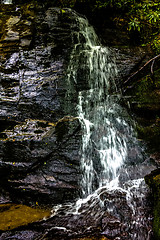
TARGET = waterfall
x,y
112,161
107,130
7,1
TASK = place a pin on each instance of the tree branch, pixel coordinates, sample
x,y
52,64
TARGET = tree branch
x,y
152,66
152,59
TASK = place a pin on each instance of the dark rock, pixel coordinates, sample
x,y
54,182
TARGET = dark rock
x,y
112,226
155,157
32,160
39,155
19,235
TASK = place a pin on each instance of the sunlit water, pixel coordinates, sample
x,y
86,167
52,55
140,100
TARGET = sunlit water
x,y
112,160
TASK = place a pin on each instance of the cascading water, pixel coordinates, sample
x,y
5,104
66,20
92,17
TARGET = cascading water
x,y
111,159
6,1
108,135
91,61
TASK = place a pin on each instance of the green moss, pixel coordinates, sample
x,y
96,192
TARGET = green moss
x,y
156,44
149,131
145,102
156,179
13,216
146,92
151,134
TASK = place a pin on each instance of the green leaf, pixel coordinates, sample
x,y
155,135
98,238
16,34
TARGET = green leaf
x,y
63,11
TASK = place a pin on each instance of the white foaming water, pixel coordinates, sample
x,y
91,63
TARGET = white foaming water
x,y
105,131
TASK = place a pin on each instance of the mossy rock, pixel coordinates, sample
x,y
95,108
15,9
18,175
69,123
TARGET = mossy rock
x,y
150,133
13,216
145,103
146,93
145,90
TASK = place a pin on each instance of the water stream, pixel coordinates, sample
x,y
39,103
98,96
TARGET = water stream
x,y
112,160
109,142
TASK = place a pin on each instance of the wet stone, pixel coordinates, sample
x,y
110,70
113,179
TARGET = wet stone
x,y
25,42
34,164
32,99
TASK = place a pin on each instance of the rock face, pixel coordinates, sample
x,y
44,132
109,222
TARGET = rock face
x,y
37,159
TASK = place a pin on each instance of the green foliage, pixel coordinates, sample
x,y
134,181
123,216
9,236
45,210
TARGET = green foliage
x,y
67,3
146,14
134,16
142,16
156,44
62,3
134,24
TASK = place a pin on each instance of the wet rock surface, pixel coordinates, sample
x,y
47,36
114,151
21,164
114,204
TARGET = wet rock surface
x,y
64,224
37,159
